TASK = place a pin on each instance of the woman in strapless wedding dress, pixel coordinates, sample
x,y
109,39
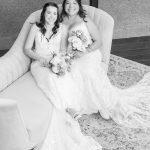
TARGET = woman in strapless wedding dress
x,y
94,92
64,132
128,107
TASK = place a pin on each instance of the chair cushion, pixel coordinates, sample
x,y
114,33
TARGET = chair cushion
x,y
34,106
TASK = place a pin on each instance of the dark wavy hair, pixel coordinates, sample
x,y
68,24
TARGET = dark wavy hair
x,y
81,13
42,19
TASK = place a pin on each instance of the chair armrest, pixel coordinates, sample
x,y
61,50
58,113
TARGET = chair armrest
x,y
105,25
107,35
12,66
14,63
13,134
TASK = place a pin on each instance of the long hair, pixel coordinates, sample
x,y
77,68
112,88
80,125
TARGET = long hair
x,y
41,24
81,12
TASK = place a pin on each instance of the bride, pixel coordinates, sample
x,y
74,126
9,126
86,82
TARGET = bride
x,y
64,132
129,107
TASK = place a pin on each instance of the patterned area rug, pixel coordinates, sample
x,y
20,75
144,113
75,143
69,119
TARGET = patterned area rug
x,y
122,73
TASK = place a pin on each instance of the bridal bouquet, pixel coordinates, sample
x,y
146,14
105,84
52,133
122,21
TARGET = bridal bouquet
x,y
77,42
60,64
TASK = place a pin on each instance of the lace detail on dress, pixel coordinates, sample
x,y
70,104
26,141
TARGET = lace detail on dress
x,y
128,107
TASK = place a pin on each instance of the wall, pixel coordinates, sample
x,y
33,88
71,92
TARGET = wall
x,y
132,17
12,16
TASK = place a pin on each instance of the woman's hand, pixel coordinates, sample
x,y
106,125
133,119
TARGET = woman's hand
x,y
44,62
79,54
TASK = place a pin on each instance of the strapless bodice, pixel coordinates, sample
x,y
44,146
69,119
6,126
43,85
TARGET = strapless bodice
x,y
82,27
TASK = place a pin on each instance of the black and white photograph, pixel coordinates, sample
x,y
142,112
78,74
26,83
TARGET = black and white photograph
x,y
75,75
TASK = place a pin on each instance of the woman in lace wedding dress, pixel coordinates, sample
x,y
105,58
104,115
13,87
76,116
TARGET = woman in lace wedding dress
x,y
128,107
64,132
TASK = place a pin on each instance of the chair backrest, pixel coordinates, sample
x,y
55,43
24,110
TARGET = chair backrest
x,y
105,24
14,63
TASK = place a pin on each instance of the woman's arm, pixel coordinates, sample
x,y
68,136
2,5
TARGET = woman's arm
x,y
93,30
64,39
94,33
29,44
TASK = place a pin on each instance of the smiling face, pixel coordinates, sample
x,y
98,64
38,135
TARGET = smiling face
x,y
71,7
50,15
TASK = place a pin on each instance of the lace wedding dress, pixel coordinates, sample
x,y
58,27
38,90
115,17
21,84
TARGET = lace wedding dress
x,y
128,107
87,89
64,132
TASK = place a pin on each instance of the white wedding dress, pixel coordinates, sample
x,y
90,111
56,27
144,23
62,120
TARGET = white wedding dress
x,y
128,107
86,89
64,132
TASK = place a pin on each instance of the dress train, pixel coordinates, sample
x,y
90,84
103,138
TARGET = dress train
x,y
64,132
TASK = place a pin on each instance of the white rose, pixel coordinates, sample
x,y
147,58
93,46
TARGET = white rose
x,y
79,33
55,60
75,45
55,69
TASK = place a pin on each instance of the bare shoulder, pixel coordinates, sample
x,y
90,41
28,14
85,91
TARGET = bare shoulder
x,y
91,25
92,28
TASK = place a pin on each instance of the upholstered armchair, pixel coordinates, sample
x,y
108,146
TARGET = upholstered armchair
x,y
25,112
